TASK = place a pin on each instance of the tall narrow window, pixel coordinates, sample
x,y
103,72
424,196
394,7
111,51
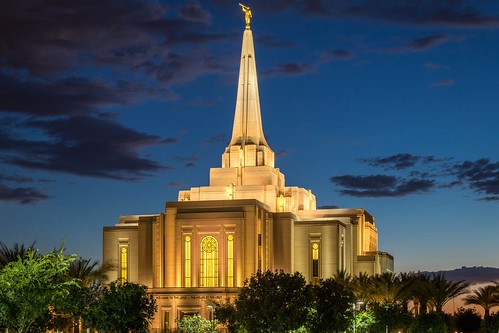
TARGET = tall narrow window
x,y
209,262
315,262
187,262
124,263
230,261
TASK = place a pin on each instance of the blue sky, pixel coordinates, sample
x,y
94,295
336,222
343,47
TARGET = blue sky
x,y
109,108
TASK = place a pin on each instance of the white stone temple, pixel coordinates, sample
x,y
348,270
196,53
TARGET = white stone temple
x,y
202,248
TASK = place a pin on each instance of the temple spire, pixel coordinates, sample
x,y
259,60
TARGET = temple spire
x,y
247,127
247,146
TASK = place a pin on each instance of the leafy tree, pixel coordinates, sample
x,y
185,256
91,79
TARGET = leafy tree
x,y
390,316
121,307
196,324
363,321
227,315
467,320
273,302
433,322
490,324
90,275
333,304
487,297
31,287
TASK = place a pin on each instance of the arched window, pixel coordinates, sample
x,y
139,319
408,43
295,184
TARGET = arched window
x,y
124,263
209,262
187,261
315,262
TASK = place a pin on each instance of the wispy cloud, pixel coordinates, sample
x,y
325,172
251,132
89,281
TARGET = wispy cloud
x,y
22,195
381,185
291,68
83,145
425,12
193,12
421,174
443,83
217,138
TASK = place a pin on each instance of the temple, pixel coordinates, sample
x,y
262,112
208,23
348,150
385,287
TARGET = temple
x,y
205,244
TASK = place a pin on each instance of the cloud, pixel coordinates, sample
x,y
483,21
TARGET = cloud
x,y
400,161
381,186
83,145
176,184
443,83
482,176
22,195
432,66
217,138
74,95
420,174
16,179
193,12
461,13
189,161
328,207
271,41
424,43
281,153
292,68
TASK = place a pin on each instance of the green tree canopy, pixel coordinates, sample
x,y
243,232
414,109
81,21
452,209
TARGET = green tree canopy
x,y
121,307
31,287
274,302
196,324
467,320
332,307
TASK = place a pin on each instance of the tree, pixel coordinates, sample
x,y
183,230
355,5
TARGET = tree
x,y
31,287
487,297
433,322
333,307
442,291
8,255
390,317
226,314
121,307
363,321
467,320
196,324
89,275
273,302
491,323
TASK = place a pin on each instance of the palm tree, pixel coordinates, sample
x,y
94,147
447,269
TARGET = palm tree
x,y
17,251
363,288
387,289
419,287
487,297
90,273
442,291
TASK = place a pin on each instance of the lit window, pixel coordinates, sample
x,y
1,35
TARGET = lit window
x,y
209,262
124,263
315,261
187,263
230,261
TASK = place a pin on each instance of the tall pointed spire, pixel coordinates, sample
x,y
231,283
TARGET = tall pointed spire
x,y
247,127
247,146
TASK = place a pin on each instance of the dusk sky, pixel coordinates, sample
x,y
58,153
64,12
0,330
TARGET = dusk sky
x,y
111,107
